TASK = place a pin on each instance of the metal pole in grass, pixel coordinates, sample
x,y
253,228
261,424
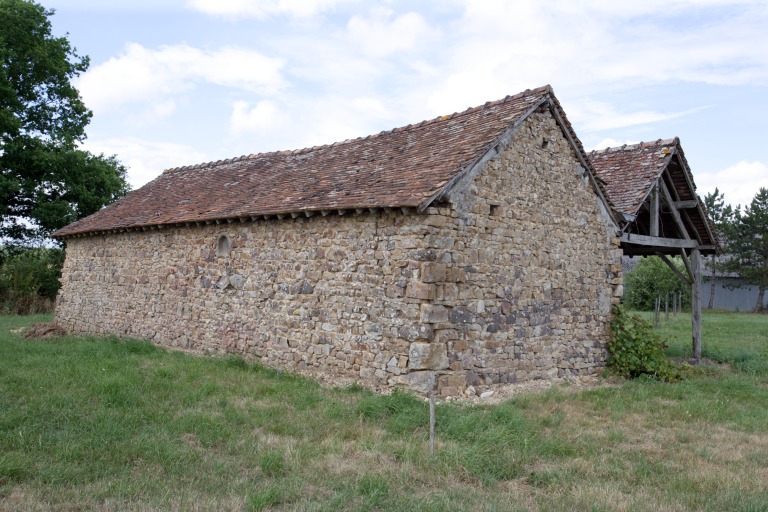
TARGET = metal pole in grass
x,y
432,423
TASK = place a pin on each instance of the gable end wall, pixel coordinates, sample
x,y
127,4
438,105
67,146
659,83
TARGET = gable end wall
x,y
511,280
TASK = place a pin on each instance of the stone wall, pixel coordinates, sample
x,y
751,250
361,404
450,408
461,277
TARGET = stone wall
x,y
511,279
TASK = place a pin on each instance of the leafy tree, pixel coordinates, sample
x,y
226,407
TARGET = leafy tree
x,y
45,181
652,278
722,218
748,245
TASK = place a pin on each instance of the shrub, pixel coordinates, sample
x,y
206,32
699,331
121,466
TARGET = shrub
x,y
652,278
636,350
29,279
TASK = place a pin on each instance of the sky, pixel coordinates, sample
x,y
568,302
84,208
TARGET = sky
x,y
180,82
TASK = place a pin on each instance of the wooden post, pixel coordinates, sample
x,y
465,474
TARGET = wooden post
x,y
654,210
656,305
696,303
666,308
432,423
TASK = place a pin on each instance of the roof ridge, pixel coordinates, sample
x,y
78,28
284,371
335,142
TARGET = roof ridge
x,y
638,145
546,89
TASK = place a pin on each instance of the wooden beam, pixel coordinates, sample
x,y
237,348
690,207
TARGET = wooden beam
x,y
654,210
657,241
696,304
687,263
674,268
675,214
687,218
684,205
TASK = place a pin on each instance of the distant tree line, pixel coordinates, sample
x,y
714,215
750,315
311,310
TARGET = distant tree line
x,y
743,235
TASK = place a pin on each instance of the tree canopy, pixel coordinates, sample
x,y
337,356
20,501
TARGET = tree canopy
x,y
652,278
747,244
46,182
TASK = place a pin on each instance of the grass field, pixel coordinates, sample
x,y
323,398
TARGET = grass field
x,y
93,424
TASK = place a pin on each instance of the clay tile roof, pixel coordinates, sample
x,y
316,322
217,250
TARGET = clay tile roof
x,y
628,172
404,167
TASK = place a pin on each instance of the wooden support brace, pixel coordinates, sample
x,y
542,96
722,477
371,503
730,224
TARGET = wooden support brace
x,y
673,210
674,268
687,264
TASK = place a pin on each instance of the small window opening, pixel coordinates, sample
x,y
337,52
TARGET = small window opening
x,y
223,246
495,210
544,143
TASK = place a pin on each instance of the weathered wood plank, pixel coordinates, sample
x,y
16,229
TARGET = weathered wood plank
x,y
684,205
654,210
657,241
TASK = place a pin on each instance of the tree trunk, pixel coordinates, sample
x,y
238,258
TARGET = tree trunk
x,y
711,304
760,296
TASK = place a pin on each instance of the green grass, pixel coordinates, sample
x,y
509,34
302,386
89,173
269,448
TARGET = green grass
x,y
105,424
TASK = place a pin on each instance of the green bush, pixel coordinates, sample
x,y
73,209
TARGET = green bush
x,y
635,350
652,278
29,279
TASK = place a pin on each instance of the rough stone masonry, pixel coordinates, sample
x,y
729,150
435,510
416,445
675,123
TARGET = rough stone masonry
x,y
510,278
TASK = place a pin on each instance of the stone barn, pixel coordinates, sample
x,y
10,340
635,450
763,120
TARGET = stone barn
x,y
471,249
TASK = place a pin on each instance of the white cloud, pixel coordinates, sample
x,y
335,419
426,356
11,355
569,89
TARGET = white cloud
x,y
262,117
739,182
611,143
153,77
592,116
499,47
146,159
383,34
262,8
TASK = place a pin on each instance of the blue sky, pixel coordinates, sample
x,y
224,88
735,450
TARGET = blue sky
x,y
178,82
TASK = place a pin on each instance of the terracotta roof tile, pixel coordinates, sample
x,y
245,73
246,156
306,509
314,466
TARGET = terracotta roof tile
x,y
629,171
403,167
